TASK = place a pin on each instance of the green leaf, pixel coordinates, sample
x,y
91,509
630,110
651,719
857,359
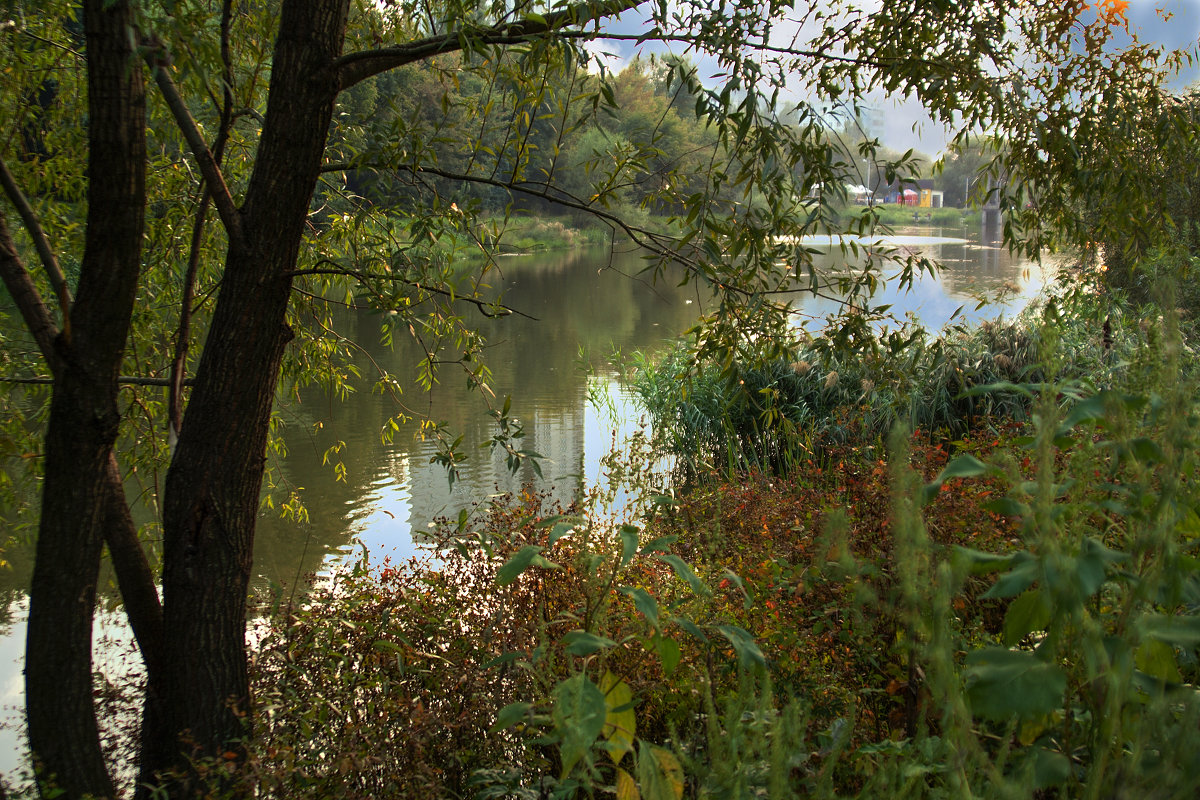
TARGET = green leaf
x,y
1007,507
659,773
629,543
691,628
620,723
978,562
510,715
964,466
1091,565
561,528
626,786
1157,659
582,643
578,714
749,655
1002,683
504,658
683,570
1147,451
661,544
668,652
1091,409
1023,389
517,564
1050,768
1028,613
644,602
1180,631
1026,569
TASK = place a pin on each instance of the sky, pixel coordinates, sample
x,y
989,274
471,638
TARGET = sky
x,y
1173,23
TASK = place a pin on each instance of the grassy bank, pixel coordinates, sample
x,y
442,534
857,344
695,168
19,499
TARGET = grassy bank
x,y
894,215
537,234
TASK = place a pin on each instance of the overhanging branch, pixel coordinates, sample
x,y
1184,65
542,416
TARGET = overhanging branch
x,y
485,307
355,67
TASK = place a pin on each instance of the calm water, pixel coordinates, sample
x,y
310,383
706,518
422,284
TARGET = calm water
x,y
584,302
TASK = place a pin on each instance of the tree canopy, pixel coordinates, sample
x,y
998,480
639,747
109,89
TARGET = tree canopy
x,y
192,187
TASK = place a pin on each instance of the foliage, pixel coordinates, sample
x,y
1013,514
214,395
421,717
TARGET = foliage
x,y
852,384
363,166
1016,616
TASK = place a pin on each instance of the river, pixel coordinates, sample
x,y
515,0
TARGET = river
x,y
582,306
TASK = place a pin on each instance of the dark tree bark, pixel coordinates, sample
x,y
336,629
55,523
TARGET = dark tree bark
x,y
212,487
84,416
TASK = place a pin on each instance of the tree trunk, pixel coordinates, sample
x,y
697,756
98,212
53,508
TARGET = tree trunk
x,y
84,416
213,485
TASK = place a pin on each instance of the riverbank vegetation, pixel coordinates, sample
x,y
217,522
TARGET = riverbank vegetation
x,y
1004,608
1000,603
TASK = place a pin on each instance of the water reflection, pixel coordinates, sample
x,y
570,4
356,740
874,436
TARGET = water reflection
x,y
973,271
582,301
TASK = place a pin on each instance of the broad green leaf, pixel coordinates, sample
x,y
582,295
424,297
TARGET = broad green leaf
x,y
504,658
1091,409
1005,683
747,650
691,628
964,466
1180,631
578,715
668,652
620,723
626,786
1091,565
1147,451
978,562
683,570
1023,389
510,715
659,773
1050,768
1007,506
582,643
519,562
644,602
1028,613
561,528
660,544
1157,659
629,543
1026,569
540,560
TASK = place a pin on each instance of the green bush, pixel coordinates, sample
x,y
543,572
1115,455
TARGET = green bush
x,y
767,414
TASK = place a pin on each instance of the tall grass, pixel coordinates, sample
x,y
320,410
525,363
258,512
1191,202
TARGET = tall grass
x,y
769,414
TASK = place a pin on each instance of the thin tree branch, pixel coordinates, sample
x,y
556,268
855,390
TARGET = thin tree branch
x,y
355,67
45,252
183,332
123,380
25,294
485,307
209,168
